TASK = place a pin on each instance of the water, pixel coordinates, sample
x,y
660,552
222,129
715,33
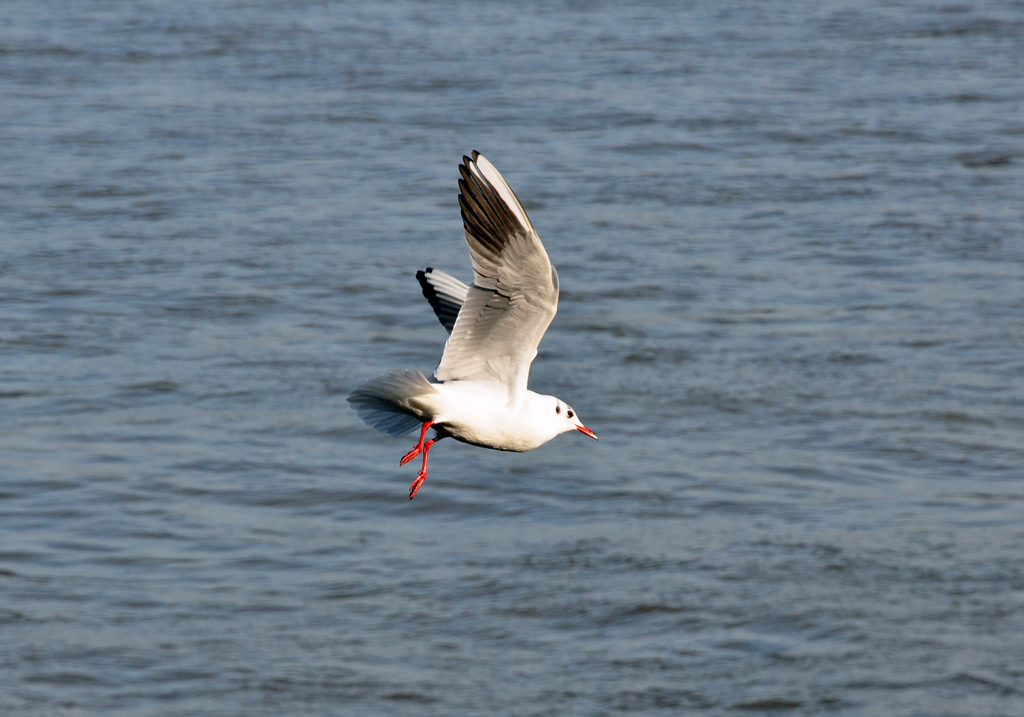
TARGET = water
x,y
791,244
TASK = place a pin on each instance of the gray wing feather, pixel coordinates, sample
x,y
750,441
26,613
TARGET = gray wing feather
x,y
514,295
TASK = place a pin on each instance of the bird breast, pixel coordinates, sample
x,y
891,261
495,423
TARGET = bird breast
x,y
476,413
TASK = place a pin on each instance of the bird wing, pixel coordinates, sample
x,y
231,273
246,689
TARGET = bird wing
x,y
445,293
514,295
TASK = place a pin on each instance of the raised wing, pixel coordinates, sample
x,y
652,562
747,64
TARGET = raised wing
x,y
514,295
445,293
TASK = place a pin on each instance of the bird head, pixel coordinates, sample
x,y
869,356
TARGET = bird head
x,y
569,420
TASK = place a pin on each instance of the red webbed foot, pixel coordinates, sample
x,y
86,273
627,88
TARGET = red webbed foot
x,y
410,455
422,475
418,447
416,484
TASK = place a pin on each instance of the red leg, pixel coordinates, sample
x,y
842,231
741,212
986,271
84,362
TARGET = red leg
x,y
419,446
422,476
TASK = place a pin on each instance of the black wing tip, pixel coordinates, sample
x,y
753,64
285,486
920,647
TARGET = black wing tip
x,y
445,308
484,212
429,292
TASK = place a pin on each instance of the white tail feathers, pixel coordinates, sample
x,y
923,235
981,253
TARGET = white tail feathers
x,y
384,402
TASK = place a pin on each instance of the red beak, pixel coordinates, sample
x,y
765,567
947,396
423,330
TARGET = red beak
x,y
586,431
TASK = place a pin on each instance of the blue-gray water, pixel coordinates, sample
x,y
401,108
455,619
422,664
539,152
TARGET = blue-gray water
x,y
791,243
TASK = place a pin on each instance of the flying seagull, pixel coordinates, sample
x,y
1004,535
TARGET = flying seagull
x,y
480,395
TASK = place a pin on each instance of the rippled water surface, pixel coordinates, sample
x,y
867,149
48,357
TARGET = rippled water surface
x,y
791,244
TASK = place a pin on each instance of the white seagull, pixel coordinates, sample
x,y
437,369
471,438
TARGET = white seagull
x,y
495,326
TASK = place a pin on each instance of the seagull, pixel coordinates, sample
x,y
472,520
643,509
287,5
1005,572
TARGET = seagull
x,y
480,395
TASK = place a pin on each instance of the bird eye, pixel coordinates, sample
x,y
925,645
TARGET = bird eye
x,y
558,410
569,413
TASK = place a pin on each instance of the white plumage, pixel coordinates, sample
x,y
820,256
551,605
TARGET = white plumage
x,y
495,326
